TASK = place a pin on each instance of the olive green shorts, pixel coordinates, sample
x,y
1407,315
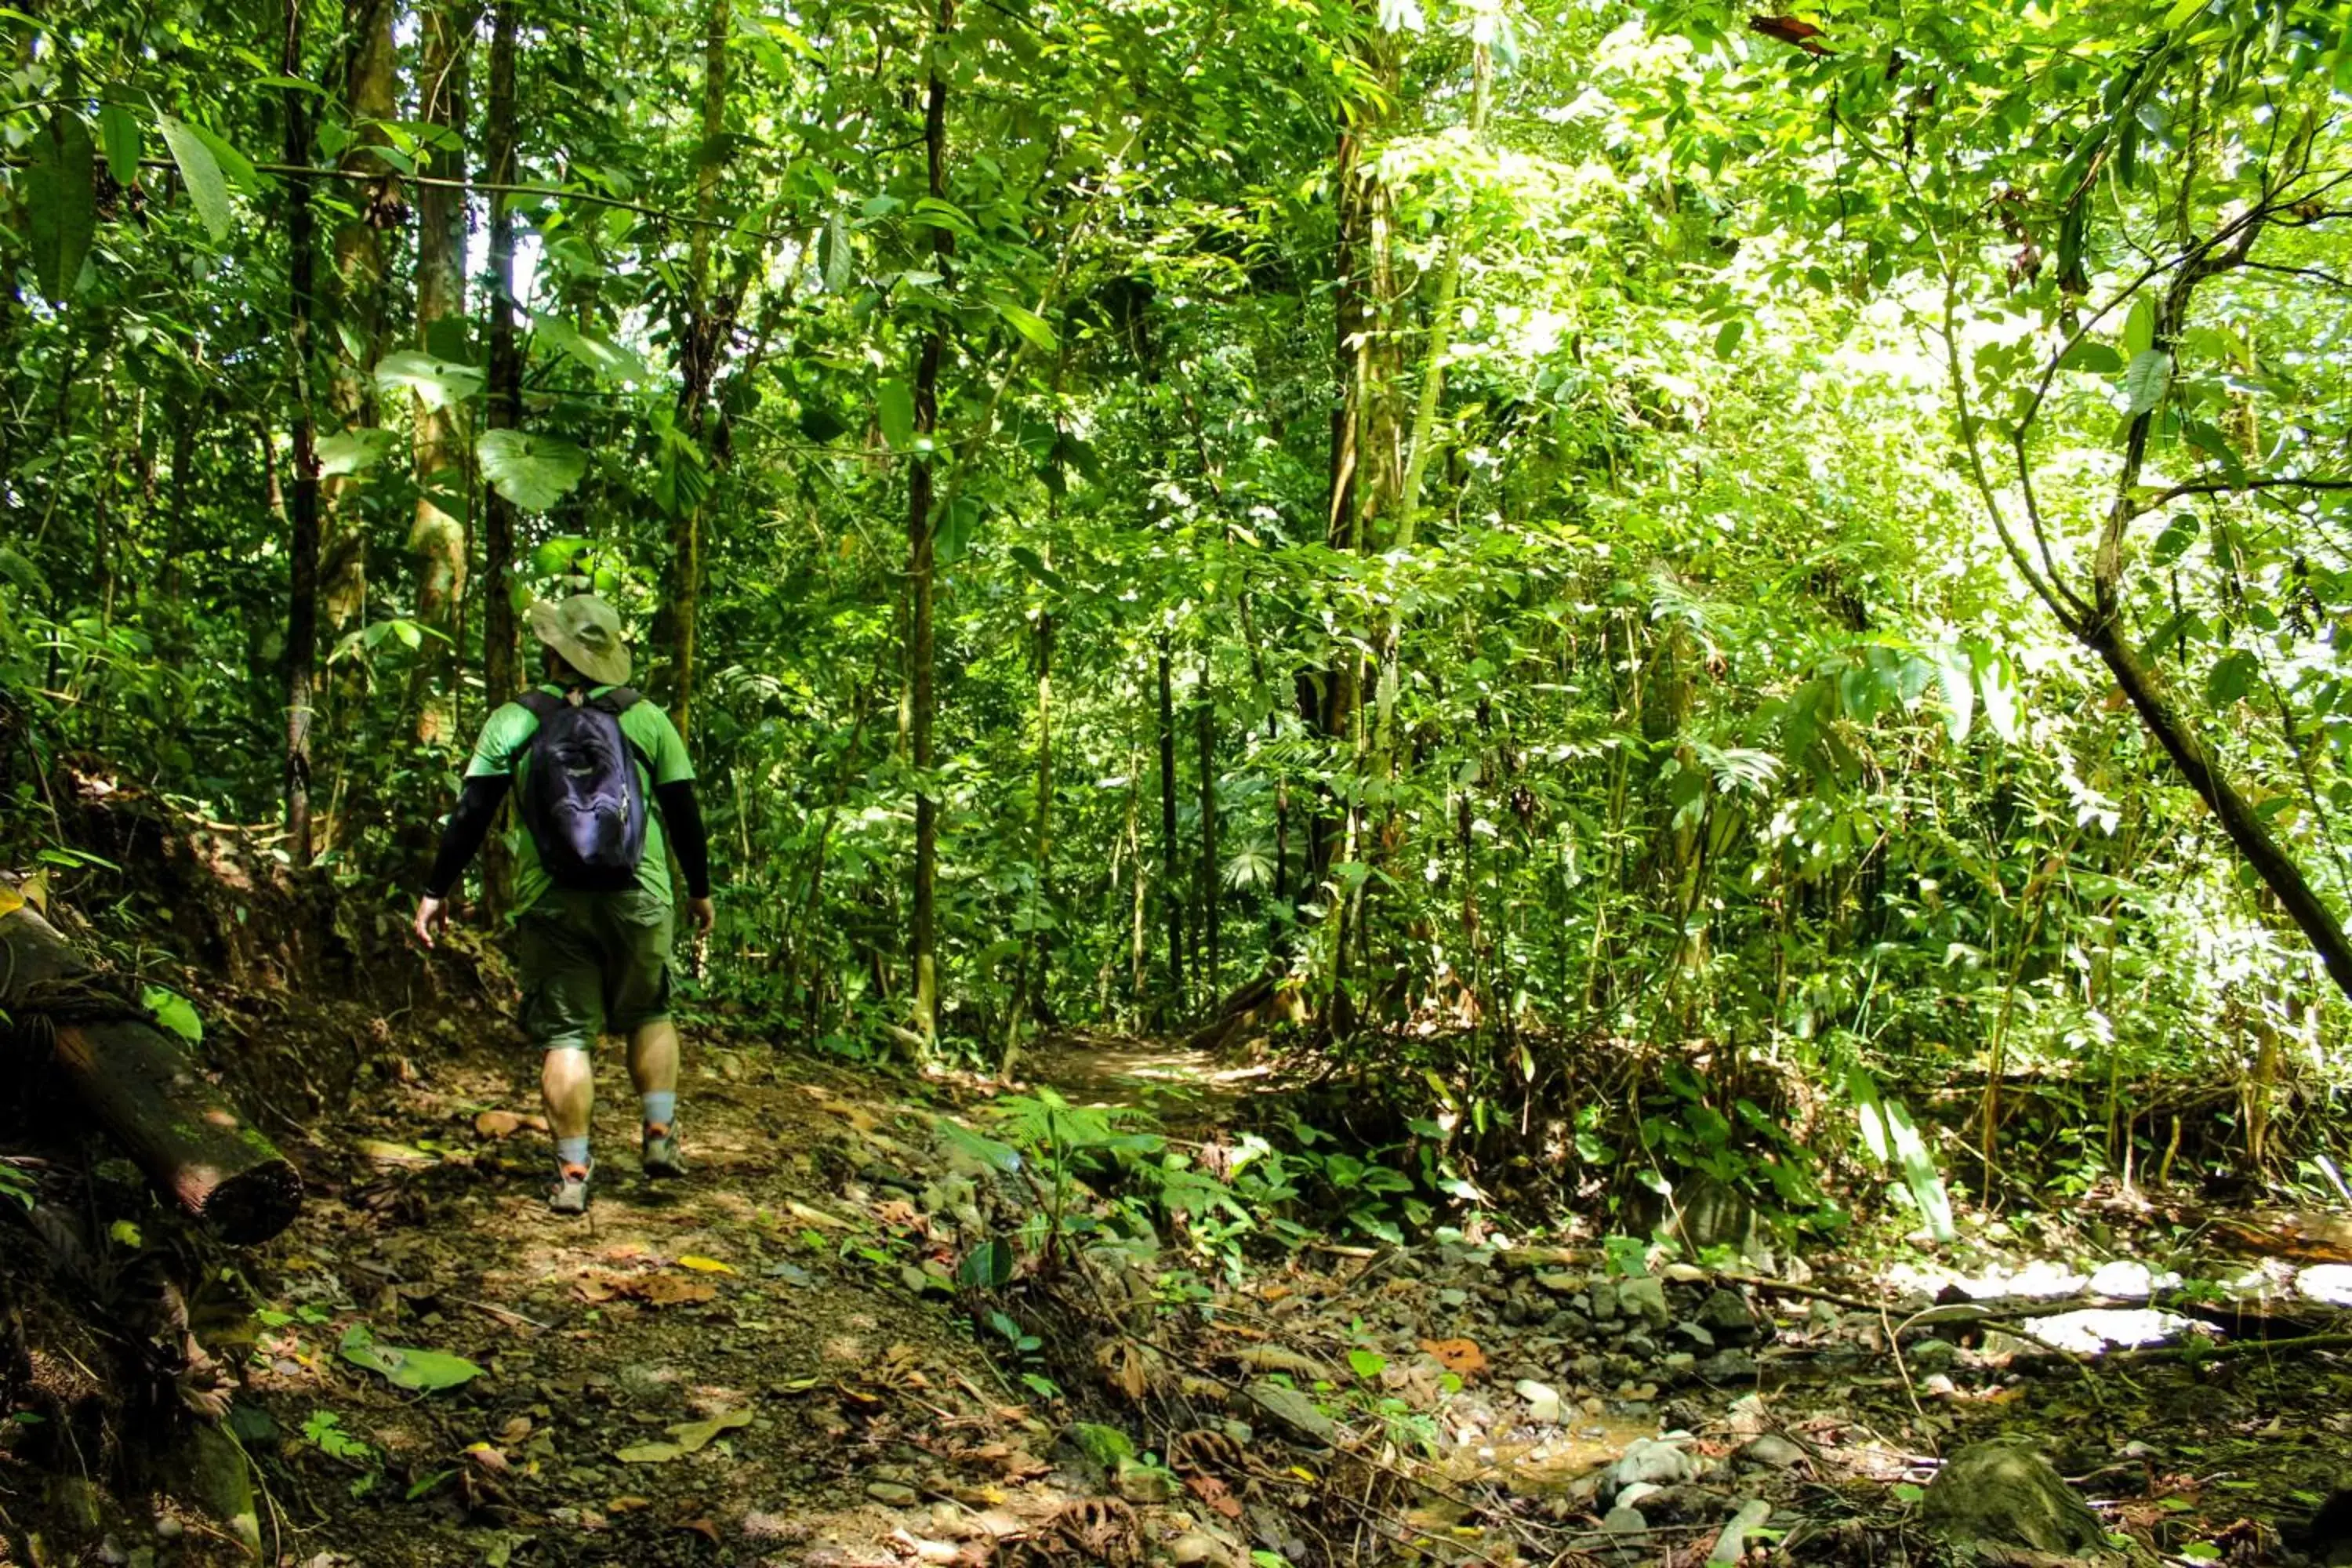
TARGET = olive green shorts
x,y
593,963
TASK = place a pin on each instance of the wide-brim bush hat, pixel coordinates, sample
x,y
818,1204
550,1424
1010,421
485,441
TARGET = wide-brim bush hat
x,y
587,634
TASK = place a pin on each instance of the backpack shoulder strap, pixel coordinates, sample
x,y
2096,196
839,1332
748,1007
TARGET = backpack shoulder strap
x,y
619,699
542,707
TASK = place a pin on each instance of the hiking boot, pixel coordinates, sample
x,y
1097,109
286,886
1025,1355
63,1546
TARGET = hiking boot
x,y
661,1156
570,1193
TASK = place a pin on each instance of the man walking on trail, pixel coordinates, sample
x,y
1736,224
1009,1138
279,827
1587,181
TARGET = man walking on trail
x,y
582,753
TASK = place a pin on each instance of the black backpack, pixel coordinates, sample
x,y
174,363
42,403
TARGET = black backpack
x,y
582,797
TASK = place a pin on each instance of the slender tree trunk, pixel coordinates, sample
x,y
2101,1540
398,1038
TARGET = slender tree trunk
x,y
370,84
1366,471
678,626
185,429
920,541
438,538
302,602
1029,1001
501,672
501,655
1205,730
1423,440
1172,885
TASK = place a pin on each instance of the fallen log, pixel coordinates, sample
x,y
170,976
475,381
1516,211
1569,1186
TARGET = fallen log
x,y
137,1081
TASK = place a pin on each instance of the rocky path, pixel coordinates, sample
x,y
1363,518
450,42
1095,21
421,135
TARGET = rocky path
x,y
777,1362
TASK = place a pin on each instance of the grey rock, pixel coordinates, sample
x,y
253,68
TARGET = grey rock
x,y
1516,1312
1569,1323
1639,1493
1146,1484
892,1493
1731,1542
1625,1521
1694,1334
2004,1494
1644,1298
1560,1284
1680,1365
1772,1450
1604,1301
1653,1460
1728,1366
1932,1355
1641,1347
1727,1317
1452,1297
1294,1414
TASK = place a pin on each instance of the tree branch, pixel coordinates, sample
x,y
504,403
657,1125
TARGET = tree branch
x,y
2228,487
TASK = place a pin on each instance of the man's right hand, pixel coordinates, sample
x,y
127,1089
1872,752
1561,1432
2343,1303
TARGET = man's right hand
x,y
702,912
432,914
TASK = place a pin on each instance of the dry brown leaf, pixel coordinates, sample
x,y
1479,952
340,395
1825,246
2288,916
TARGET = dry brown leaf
x,y
1213,1493
629,1504
702,1526
1461,1357
1279,1358
670,1289
1125,1367
506,1123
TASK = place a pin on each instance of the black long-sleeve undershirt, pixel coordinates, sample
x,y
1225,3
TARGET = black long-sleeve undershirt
x,y
477,808
469,824
682,820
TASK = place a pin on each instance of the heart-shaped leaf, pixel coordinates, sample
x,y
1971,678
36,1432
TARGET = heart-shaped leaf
x,y
533,471
437,382
353,451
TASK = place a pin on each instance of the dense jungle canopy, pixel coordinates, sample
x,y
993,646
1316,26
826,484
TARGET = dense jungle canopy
x,y
1782,555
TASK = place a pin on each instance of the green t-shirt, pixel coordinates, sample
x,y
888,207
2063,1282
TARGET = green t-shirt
x,y
505,749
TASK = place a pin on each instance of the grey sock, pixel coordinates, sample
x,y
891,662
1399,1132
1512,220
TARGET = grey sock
x,y
571,1152
661,1107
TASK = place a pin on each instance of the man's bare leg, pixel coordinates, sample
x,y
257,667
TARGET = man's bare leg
x,y
653,1064
567,1085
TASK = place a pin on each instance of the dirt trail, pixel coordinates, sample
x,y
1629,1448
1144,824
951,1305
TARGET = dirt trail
x,y
769,1363
747,1289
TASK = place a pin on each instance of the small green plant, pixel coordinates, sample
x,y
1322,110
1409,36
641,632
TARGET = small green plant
x,y
17,1186
324,1431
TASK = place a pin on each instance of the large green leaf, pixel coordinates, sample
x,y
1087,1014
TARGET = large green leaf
x,y
61,203
422,1370
533,471
174,1012
117,130
894,403
1919,1171
2150,372
200,172
1031,326
1956,678
1997,684
353,451
602,357
437,382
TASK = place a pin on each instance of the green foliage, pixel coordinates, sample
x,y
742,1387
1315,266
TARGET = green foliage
x,y
174,1012
426,1371
1716,708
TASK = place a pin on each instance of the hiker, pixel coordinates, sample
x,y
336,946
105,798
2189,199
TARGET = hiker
x,y
592,916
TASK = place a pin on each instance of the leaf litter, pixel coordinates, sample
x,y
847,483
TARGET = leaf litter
x,y
753,1332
